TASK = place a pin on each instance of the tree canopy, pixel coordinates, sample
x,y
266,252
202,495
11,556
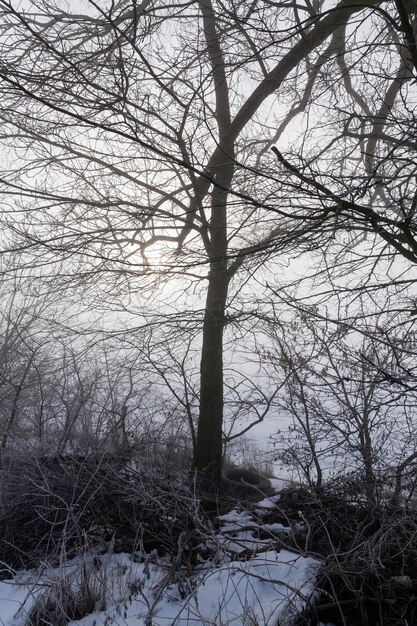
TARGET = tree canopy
x,y
201,141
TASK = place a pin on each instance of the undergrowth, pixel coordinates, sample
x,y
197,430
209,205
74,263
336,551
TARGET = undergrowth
x,y
51,506
369,550
54,504
65,600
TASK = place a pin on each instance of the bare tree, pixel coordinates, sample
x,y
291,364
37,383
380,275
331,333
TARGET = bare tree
x,y
134,135
351,401
23,339
59,392
356,163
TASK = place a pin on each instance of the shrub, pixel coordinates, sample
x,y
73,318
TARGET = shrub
x,y
369,552
54,505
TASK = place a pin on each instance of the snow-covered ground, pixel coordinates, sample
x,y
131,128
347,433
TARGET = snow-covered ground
x,y
249,582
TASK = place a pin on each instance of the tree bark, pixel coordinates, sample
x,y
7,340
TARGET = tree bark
x,y
208,448
208,451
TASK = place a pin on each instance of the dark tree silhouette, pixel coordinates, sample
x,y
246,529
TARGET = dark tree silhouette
x,y
137,144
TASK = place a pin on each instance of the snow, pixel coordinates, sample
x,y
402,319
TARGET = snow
x,y
268,586
139,590
278,484
12,597
240,530
269,503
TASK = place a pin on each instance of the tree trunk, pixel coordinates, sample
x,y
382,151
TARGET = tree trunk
x,y
208,450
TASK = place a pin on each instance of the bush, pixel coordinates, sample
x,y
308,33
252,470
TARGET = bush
x,y
54,505
369,576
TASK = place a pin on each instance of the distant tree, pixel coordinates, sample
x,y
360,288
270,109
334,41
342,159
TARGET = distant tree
x,y
58,392
22,339
351,400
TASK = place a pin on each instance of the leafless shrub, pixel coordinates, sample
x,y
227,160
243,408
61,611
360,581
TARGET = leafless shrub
x,y
369,575
51,504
